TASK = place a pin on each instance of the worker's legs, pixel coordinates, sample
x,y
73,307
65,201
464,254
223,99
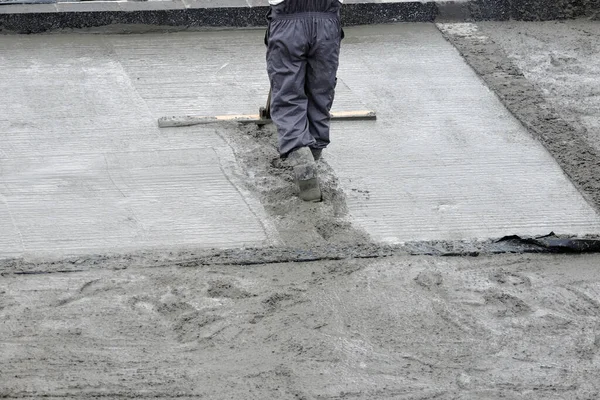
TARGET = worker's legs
x,y
302,58
287,49
322,65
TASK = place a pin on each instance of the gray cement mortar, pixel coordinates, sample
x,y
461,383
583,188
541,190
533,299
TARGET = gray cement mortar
x,y
504,327
300,224
332,324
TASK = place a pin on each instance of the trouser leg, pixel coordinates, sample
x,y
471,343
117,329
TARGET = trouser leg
x,y
322,66
286,65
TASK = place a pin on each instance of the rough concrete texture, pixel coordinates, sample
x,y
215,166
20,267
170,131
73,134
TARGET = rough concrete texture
x,y
563,61
529,10
85,169
507,327
564,122
206,324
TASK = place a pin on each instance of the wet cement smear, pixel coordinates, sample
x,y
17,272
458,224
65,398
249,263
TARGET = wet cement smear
x,y
299,224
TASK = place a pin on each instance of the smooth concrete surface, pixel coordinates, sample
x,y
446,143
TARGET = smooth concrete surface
x,y
87,6
130,6
84,167
445,160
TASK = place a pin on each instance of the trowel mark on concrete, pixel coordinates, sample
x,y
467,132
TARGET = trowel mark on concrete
x,y
299,223
11,238
88,171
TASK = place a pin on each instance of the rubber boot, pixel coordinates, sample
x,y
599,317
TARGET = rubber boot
x,y
305,174
316,153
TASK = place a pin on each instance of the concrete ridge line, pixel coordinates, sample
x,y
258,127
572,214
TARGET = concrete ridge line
x,y
549,244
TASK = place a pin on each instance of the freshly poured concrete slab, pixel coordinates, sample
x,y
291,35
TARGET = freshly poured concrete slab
x,y
209,73
84,168
10,240
445,159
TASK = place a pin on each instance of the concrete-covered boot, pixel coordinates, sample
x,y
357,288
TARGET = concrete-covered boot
x,y
305,174
316,153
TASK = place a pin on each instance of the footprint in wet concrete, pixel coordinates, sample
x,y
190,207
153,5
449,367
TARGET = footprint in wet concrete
x,y
274,301
88,286
168,309
582,302
571,301
171,308
506,305
93,288
196,325
278,301
333,228
429,279
186,321
142,304
224,289
510,278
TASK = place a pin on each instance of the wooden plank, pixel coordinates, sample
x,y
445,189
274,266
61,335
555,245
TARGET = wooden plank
x,y
353,115
189,120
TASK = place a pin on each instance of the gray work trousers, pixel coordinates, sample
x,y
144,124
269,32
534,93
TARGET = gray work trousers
x,y
302,61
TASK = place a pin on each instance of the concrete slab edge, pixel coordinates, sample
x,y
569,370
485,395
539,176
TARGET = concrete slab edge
x,y
549,244
353,14
37,18
563,140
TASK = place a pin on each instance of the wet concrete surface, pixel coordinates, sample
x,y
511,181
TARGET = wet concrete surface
x,y
434,157
85,168
345,317
545,74
505,327
563,61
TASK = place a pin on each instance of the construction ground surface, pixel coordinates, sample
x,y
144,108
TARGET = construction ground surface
x,y
138,261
